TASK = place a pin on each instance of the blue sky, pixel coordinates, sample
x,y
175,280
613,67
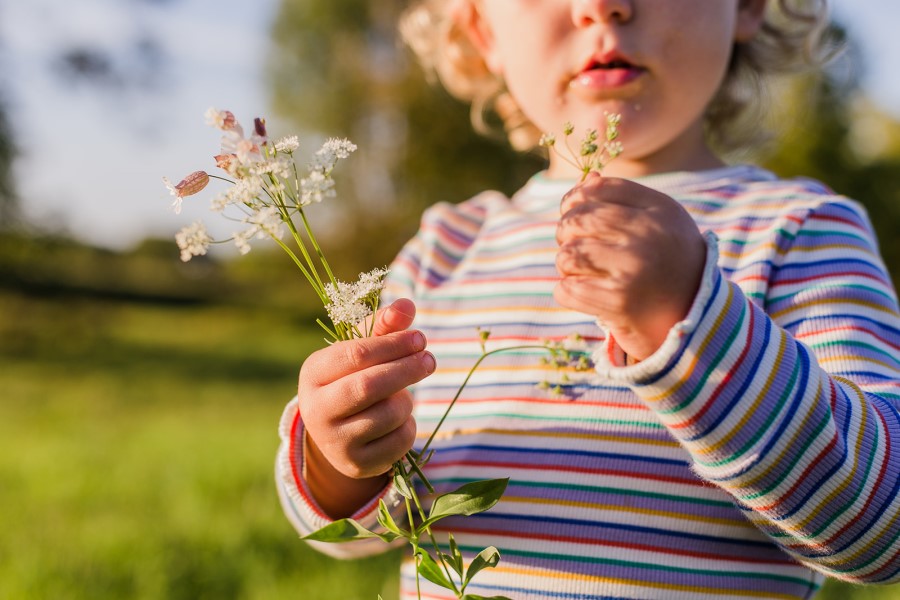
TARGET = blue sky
x,y
92,156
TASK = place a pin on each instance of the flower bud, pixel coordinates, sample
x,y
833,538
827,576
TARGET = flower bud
x,y
191,184
259,126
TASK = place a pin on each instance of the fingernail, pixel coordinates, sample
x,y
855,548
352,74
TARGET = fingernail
x,y
428,361
396,306
418,340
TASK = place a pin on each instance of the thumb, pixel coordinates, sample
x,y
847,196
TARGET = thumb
x,y
398,316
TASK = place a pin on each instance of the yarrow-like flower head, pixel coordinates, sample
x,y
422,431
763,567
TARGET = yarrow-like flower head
x,y
193,240
351,303
593,153
287,144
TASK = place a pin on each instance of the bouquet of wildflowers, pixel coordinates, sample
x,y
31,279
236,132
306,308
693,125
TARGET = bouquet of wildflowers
x,y
266,195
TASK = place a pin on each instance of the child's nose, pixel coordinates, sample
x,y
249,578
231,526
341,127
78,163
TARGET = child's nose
x,y
588,12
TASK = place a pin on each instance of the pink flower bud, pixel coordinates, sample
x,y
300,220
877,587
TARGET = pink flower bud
x,y
259,126
191,184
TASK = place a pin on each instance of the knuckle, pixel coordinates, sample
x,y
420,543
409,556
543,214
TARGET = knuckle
x,y
361,388
357,352
398,409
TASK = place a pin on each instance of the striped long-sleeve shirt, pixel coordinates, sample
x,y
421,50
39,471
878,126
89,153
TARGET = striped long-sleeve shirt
x,y
754,452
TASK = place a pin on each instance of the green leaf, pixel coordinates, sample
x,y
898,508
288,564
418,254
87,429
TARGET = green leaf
x,y
457,559
402,486
477,597
487,558
387,521
471,498
346,530
430,570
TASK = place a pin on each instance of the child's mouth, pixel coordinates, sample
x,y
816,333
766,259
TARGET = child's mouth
x,y
604,75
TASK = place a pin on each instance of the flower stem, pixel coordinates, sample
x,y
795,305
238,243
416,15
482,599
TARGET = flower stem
x,y
466,381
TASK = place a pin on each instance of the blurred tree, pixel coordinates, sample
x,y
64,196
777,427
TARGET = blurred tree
x,y
338,69
837,137
9,213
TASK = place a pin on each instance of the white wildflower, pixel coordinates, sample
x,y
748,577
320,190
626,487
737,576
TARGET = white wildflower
x,y
279,166
351,303
220,202
614,149
176,203
242,241
245,150
193,240
371,282
246,191
316,187
221,119
344,306
267,221
331,151
547,140
287,144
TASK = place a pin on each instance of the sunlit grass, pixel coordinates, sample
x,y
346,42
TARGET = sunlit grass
x,y
136,456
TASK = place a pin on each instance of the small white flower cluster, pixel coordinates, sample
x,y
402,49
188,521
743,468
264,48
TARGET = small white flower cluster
x,y
352,303
193,240
593,153
319,184
265,189
567,358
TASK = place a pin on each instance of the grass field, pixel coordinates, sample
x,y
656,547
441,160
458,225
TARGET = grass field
x,y
136,456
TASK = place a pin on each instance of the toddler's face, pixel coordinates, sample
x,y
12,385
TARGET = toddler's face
x,y
657,62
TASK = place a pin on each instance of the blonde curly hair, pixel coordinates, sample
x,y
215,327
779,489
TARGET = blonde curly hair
x,y
791,40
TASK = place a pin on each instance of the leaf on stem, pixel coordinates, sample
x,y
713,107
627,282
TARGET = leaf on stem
x,y
402,486
346,530
430,570
454,559
469,499
387,521
477,597
486,559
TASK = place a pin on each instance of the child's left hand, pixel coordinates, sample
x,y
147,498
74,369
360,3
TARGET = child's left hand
x,y
631,256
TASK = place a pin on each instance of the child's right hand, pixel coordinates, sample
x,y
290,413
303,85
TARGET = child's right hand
x,y
355,406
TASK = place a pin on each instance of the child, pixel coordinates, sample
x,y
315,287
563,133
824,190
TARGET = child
x,y
737,441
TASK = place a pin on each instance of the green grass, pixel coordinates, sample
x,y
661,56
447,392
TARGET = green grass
x,y
137,446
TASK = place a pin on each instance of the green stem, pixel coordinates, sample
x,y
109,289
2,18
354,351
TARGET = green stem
x,y
465,382
312,238
316,286
427,528
415,467
312,267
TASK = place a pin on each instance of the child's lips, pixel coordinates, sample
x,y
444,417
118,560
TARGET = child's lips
x,y
600,77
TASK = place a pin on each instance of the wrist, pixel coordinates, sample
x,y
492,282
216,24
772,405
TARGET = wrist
x,y
338,495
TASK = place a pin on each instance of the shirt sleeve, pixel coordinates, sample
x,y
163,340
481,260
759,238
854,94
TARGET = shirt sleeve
x,y
300,507
792,407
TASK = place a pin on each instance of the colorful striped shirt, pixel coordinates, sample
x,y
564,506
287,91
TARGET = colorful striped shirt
x,y
750,455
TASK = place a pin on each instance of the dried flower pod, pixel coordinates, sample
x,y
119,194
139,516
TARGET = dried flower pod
x,y
191,184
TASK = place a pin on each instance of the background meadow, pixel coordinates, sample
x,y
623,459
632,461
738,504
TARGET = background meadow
x,y
140,395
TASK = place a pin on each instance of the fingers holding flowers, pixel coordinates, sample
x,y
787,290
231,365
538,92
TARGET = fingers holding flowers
x,y
629,255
